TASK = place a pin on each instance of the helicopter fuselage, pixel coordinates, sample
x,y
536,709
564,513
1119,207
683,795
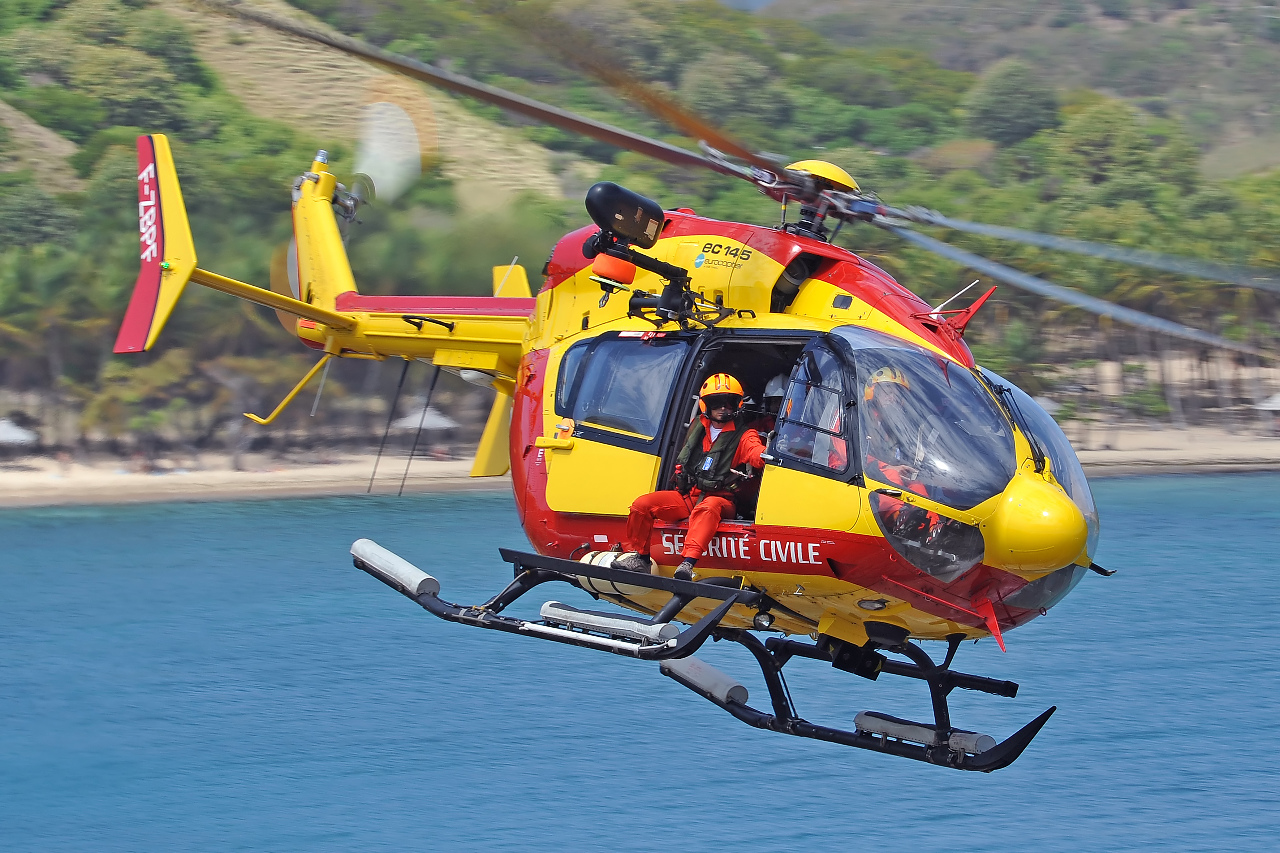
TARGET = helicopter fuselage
x,y
821,536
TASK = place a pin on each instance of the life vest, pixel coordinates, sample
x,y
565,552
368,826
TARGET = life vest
x,y
712,470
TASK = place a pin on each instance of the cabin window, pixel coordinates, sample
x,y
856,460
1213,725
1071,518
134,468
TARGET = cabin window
x,y
626,384
811,424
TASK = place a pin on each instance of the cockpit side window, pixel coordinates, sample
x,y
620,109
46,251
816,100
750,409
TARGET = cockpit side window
x,y
812,425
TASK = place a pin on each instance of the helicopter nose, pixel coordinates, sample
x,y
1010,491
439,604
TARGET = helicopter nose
x,y
1035,529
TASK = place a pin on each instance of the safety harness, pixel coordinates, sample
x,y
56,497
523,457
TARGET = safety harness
x,y
712,471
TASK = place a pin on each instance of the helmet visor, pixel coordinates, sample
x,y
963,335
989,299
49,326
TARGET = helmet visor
x,y
722,401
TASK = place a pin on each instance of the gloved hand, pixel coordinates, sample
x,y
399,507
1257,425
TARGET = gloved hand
x,y
681,481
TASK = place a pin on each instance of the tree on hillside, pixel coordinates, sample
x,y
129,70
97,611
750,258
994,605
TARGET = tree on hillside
x,y
1010,104
1105,142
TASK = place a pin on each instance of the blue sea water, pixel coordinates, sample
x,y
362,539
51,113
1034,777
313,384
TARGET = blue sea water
x,y
218,677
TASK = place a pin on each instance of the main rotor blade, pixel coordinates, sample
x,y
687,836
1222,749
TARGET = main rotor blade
x,y
577,47
1242,276
451,82
1071,297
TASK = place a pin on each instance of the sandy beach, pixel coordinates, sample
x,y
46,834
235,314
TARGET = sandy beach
x,y
41,481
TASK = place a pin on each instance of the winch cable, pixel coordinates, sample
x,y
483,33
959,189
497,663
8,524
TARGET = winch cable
x,y
390,416
421,421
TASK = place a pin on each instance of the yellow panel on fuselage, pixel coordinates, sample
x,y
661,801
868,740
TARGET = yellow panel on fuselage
x,y
596,478
791,498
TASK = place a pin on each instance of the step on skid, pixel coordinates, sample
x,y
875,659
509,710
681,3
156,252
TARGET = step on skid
x,y
658,638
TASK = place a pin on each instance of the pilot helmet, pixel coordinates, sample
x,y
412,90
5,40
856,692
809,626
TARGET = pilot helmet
x,y
720,385
885,376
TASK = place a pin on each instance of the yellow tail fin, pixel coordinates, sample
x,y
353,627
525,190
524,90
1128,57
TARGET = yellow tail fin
x,y
323,269
167,251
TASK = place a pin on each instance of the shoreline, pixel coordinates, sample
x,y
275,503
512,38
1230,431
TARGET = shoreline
x,y
50,482
44,481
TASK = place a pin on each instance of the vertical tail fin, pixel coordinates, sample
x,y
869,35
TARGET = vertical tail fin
x,y
323,269
167,251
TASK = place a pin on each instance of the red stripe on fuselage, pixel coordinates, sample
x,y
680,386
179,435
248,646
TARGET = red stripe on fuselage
x,y
484,306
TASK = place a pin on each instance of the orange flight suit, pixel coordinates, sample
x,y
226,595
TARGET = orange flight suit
x,y
704,515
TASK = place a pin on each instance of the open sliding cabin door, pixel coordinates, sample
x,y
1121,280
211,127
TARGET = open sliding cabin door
x,y
614,393
815,480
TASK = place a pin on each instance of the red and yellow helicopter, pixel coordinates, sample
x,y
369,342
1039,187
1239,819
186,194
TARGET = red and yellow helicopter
x,y
959,512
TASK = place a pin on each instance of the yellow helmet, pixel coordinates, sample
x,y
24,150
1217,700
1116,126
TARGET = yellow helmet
x,y
719,384
885,374
829,172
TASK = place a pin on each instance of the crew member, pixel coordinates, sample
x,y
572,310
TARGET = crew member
x,y
890,454
748,497
774,392
719,457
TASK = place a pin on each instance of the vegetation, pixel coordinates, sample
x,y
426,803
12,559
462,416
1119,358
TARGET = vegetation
x,y
1007,147
1010,104
1212,65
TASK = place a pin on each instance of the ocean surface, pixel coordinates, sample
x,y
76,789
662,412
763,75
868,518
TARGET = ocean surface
x,y
218,677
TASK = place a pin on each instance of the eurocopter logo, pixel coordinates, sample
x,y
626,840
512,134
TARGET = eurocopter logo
x,y
727,251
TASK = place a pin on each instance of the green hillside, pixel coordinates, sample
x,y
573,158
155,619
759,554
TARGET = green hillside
x,y
1010,146
1215,66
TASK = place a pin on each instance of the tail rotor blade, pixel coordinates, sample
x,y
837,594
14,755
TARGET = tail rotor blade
x,y
390,152
1067,296
398,138
1242,276
284,280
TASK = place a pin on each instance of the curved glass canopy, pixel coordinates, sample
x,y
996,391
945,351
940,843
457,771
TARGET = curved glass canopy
x,y
1063,462
928,425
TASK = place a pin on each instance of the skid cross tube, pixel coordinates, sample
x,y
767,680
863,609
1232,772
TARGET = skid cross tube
x,y
532,570
721,588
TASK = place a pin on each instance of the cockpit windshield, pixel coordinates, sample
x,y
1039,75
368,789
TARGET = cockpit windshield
x,y
928,426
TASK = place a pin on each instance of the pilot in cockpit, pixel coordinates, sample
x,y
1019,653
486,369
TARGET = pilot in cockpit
x,y
894,450
892,439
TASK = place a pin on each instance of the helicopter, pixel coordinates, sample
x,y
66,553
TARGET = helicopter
x,y
861,541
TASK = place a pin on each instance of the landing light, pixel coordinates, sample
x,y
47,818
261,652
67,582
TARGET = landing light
x,y
763,621
873,604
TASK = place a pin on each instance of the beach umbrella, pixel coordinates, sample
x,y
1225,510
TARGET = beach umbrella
x,y
434,420
12,434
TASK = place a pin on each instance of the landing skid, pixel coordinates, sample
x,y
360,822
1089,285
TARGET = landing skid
x,y
657,638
